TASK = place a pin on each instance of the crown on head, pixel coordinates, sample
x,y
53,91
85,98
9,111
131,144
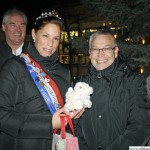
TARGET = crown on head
x,y
48,14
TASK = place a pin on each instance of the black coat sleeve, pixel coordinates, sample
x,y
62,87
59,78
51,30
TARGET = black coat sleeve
x,y
15,122
137,130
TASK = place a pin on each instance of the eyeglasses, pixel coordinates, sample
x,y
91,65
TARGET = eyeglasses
x,y
95,50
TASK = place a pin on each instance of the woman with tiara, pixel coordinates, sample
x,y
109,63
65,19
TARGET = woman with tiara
x,y
32,90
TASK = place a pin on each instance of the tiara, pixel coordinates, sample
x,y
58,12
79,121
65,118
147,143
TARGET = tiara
x,y
48,14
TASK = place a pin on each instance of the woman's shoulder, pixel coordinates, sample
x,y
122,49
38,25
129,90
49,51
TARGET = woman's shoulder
x,y
62,66
13,63
14,60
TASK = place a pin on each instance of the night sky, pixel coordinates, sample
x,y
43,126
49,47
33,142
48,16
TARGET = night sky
x,y
32,8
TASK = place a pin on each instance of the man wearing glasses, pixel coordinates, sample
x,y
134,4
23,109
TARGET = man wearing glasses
x,y
119,114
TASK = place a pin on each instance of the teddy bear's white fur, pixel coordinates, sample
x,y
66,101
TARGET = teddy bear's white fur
x,y
78,97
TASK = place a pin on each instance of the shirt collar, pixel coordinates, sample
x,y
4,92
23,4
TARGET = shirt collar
x,y
18,50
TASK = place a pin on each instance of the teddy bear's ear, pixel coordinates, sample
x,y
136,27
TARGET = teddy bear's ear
x,y
91,90
70,89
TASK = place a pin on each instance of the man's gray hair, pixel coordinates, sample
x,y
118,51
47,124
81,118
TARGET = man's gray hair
x,y
101,32
14,12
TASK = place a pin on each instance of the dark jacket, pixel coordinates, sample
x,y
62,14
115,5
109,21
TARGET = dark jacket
x,y
6,51
25,121
119,114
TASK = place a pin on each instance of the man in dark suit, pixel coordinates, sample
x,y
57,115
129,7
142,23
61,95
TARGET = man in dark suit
x,y
14,25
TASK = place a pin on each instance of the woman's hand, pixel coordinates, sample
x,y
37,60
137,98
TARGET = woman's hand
x,y
56,118
76,113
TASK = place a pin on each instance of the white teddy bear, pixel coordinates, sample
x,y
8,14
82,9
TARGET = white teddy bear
x,y
78,97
